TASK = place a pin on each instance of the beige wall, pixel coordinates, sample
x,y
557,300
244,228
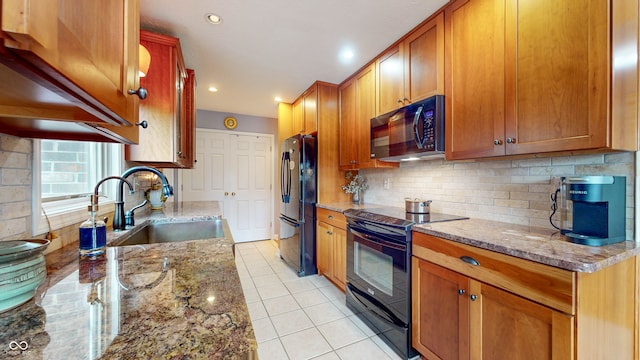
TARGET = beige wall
x,y
513,191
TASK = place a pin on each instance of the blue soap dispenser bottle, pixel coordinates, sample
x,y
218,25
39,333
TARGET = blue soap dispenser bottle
x,y
93,236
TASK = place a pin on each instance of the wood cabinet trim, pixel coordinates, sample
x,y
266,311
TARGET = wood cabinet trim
x,y
547,285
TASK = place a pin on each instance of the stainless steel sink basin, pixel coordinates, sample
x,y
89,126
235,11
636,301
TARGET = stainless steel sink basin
x,y
172,231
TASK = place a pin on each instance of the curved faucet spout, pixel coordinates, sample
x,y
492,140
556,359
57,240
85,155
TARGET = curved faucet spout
x,y
94,197
119,222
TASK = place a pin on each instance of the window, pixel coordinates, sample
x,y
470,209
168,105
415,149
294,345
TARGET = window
x,y
65,173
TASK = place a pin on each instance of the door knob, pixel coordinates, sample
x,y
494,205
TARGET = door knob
x,y
226,193
233,194
141,92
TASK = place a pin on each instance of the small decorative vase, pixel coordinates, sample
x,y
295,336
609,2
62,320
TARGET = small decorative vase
x,y
356,197
156,197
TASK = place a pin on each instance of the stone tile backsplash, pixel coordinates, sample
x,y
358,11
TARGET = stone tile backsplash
x,y
515,191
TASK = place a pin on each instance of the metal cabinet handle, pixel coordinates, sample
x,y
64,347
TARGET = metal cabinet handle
x,y
329,232
511,140
473,297
461,291
330,216
143,123
497,142
469,260
141,92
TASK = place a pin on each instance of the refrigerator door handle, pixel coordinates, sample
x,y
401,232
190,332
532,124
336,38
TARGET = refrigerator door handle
x,y
288,221
285,178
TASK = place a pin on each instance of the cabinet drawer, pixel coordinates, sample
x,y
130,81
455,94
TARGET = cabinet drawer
x,y
544,284
334,218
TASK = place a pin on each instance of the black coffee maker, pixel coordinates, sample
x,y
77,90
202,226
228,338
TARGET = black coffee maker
x,y
593,209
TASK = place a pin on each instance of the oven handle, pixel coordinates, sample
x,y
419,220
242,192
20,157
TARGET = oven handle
x,y
388,316
375,240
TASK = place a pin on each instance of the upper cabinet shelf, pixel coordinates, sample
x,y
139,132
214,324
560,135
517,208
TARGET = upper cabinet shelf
x,y
64,79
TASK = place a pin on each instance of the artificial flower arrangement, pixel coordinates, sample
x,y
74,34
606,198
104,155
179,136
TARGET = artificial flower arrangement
x,y
355,185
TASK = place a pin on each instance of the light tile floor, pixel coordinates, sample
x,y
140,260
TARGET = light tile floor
x,y
300,318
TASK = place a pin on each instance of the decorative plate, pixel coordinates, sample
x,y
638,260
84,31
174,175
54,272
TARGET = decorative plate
x,y
230,122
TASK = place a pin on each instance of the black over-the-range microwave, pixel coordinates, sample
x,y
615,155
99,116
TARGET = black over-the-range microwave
x,y
411,132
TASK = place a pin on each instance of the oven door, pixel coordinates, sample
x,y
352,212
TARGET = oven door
x,y
378,277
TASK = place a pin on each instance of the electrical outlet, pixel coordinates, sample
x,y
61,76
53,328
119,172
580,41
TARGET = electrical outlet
x,y
386,183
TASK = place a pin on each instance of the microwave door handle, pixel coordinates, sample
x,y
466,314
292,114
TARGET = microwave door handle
x,y
420,141
386,315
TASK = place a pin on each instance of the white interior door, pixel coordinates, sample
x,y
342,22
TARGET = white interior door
x,y
236,170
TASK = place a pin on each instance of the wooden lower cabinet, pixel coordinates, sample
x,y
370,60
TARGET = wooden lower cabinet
x,y
468,319
331,246
510,308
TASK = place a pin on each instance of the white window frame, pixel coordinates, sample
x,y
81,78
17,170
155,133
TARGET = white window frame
x,y
67,212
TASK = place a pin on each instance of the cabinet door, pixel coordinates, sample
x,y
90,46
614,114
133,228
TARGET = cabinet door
x,y
557,73
390,72
188,122
348,144
324,248
424,61
158,142
475,81
440,320
311,111
340,257
365,110
298,116
90,47
511,327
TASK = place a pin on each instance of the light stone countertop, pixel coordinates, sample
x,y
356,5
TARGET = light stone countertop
x,y
544,246
178,300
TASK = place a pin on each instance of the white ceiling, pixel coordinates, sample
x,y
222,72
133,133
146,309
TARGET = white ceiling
x,y
269,48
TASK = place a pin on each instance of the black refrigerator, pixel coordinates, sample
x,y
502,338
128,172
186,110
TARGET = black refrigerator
x,y
298,179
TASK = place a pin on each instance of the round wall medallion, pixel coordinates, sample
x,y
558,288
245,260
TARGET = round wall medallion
x,y
230,122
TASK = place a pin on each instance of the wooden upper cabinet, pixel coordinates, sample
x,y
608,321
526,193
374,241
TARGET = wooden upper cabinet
x,y
532,77
390,78
73,61
305,112
357,107
474,73
412,70
298,117
556,76
164,143
188,121
348,147
311,110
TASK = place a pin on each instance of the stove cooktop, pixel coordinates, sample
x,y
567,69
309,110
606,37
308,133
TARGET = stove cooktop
x,y
399,217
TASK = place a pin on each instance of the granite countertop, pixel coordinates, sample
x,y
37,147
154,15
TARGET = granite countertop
x,y
545,246
178,300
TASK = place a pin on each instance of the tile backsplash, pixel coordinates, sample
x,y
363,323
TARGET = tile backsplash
x,y
516,191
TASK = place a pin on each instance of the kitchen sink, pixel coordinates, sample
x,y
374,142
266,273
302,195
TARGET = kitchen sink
x,y
172,231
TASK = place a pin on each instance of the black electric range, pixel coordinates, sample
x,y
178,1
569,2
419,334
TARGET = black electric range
x,y
378,286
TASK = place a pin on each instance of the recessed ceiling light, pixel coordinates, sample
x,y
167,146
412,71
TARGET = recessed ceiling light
x,y
213,18
213,88
277,98
348,54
